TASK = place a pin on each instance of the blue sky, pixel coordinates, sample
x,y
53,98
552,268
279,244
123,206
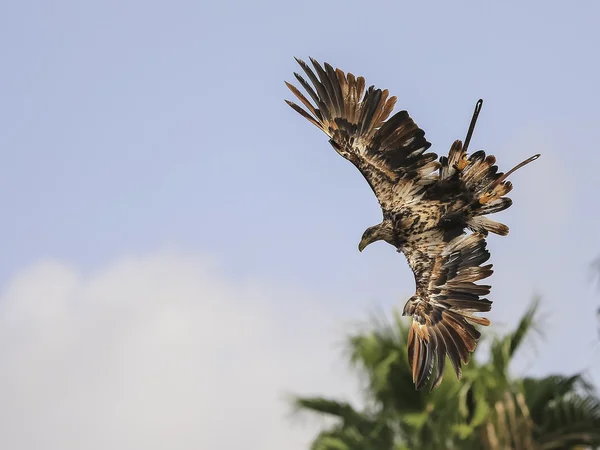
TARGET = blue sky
x,y
134,131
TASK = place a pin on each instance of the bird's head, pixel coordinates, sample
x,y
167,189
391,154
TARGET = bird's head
x,y
375,233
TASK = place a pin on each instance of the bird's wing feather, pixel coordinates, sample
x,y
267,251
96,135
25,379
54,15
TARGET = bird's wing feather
x,y
477,179
447,297
390,153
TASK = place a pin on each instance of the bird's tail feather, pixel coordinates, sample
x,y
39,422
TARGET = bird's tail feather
x,y
454,335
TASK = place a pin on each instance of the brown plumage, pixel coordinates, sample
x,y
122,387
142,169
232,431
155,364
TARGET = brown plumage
x,y
427,205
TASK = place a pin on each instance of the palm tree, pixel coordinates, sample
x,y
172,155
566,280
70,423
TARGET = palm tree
x,y
487,409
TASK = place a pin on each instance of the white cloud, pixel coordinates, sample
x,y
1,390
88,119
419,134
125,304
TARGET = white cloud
x,y
159,352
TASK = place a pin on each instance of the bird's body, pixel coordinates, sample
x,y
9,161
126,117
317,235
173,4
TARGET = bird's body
x,y
427,205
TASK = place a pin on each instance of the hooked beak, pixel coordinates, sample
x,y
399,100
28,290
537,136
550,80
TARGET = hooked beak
x,y
361,246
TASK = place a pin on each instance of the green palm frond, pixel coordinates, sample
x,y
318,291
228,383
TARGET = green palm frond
x,y
539,392
325,406
504,348
343,437
569,420
380,354
525,327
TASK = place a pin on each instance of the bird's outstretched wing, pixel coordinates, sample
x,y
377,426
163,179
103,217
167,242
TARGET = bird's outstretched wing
x,y
446,299
390,153
474,186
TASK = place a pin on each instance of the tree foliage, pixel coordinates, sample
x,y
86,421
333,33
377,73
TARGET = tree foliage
x,y
487,409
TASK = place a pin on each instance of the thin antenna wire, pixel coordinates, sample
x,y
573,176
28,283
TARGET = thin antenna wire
x,y
473,122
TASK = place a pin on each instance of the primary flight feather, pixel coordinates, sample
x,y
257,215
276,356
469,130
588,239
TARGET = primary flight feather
x,y
427,206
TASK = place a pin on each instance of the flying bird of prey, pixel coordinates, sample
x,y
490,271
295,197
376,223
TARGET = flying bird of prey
x,y
428,206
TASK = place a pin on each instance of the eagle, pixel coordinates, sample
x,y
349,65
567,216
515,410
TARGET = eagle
x,y
434,211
